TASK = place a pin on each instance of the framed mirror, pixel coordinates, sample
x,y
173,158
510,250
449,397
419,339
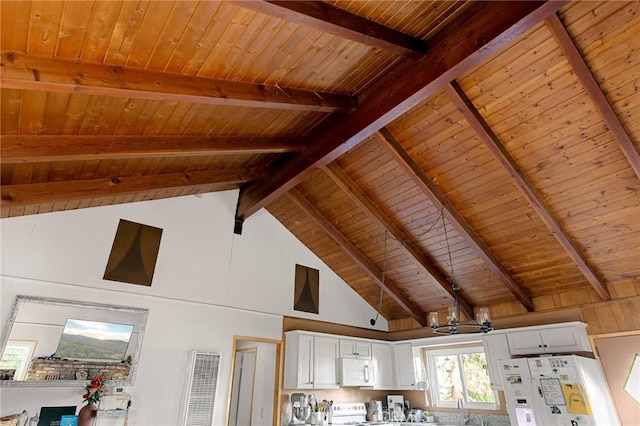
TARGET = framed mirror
x,y
55,342
254,391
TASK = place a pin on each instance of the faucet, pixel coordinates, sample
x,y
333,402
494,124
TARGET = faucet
x,y
465,417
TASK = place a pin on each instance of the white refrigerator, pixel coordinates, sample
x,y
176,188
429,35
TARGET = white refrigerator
x,y
567,390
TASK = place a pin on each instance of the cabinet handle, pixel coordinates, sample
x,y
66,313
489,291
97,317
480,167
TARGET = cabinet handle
x,y
545,346
539,346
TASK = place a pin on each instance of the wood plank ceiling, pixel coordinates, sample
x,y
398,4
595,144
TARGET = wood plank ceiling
x,y
410,145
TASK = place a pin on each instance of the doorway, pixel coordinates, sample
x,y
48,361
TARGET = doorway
x,y
255,382
244,376
616,353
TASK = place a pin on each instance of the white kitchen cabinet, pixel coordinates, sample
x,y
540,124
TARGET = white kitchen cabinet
x,y
405,366
383,365
496,348
556,338
325,362
310,361
355,349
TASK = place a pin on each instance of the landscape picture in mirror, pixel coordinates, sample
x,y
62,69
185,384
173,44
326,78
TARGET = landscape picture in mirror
x,y
94,340
56,342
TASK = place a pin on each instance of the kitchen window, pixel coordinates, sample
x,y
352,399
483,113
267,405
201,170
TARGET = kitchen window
x,y
460,374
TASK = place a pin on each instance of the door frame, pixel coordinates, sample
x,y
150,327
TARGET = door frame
x,y
277,385
592,340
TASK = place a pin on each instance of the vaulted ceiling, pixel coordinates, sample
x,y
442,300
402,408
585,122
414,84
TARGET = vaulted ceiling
x,y
410,144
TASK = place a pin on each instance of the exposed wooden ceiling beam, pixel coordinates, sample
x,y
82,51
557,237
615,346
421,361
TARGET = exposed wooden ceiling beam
x,y
358,196
536,201
594,91
30,72
389,287
30,148
37,193
481,30
437,197
330,19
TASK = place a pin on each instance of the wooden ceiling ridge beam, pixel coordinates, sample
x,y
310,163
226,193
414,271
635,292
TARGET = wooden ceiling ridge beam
x,y
41,148
51,192
533,196
30,72
359,258
333,20
358,196
437,197
593,89
474,35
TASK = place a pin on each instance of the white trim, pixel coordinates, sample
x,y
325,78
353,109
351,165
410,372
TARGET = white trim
x,y
433,379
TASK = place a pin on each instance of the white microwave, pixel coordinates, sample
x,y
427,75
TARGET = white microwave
x,y
356,372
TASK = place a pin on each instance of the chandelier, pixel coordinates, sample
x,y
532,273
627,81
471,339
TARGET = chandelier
x,y
482,322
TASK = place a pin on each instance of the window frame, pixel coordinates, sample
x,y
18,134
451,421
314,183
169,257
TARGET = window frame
x,y
21,372
456,351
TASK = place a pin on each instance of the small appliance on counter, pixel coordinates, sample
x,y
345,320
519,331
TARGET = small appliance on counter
x,y
374,412
396,408
300,409
415,415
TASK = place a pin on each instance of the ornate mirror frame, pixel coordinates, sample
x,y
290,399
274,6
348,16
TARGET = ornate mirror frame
x,y
23,300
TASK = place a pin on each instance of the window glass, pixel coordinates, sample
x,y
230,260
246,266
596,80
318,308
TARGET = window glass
x,y
15,359
477,378
449,379
460,374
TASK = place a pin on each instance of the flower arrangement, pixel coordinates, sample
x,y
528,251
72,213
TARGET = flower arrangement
x,y
95,390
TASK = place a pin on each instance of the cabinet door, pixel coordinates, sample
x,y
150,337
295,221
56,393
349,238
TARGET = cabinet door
x,y
355,349
305,362
347,348
405,372
496,348
383,368
363,350
565,339
525,342
325,362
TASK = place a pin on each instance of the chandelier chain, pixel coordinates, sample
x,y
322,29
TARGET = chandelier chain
x,y
384,269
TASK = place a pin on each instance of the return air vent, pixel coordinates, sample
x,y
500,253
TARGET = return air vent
x,y
201,390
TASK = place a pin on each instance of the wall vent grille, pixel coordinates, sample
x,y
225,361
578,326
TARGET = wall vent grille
x,y
201,390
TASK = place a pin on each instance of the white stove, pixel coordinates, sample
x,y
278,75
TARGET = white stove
x,y
353,413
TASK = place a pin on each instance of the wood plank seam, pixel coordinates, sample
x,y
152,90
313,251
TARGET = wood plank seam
x,y
522,182
359,258
425,262
420,178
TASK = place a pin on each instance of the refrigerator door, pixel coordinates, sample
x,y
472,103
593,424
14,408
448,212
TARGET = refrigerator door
x,y
518,392
571,391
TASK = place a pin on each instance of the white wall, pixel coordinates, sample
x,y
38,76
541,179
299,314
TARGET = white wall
x,y
209,284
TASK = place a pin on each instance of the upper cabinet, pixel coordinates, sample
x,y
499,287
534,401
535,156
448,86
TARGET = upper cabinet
x,y
409,367
556,338
570,337
325,366
383,365
496,348
310,361
313,360
355,349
